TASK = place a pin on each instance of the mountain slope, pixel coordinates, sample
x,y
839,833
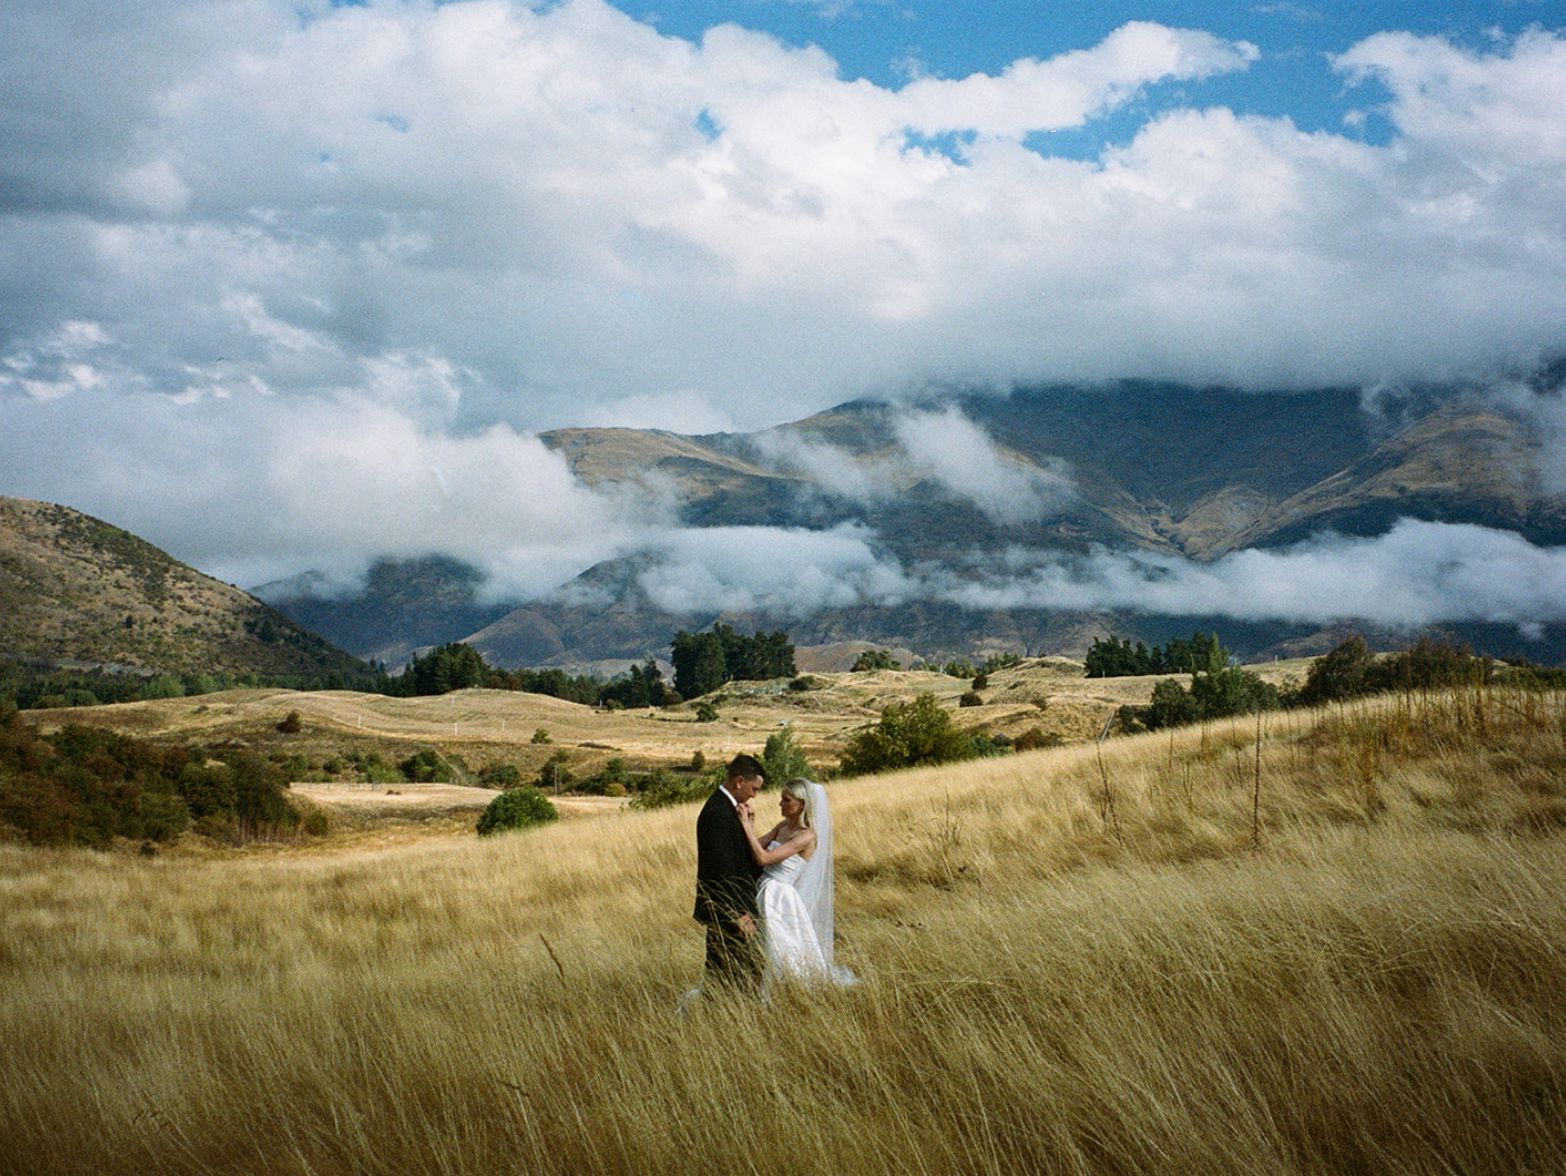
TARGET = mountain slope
x,y
403,606
1194,472
77,592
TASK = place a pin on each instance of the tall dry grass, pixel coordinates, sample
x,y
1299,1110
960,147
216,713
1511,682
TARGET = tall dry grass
x,y
1128,961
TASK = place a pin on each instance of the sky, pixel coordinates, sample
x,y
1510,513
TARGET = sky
x,y
290,285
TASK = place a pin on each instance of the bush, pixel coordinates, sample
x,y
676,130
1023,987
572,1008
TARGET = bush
x,y
1035,737
517,808
782,757
317,823
425,767
908,735
554,775
661,789
501,776
970,698
806,682
706,712
292,723
981,681
874,659
698,760
541,736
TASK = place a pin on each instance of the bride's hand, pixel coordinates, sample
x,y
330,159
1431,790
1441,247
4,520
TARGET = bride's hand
x,y
746,815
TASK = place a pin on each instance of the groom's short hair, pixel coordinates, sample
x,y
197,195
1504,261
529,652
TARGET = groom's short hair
x,y
747,767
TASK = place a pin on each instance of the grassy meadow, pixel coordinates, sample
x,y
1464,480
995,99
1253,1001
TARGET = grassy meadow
x,y
1330,942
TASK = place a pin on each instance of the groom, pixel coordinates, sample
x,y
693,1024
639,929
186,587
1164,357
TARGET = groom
x,y
726,877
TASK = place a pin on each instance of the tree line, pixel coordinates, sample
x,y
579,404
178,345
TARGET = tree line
x,y
1116,657
1350,670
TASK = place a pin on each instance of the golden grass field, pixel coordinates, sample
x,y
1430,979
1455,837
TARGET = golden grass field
x,y
1331,942
488,726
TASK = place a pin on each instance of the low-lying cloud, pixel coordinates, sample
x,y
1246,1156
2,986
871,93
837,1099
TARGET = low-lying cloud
x,y
941,447
1417,574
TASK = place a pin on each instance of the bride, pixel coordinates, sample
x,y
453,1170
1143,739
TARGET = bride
x,y
795,895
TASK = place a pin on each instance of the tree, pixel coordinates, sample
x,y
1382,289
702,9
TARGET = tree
x,y
782,757
874,659
908,735
1342,673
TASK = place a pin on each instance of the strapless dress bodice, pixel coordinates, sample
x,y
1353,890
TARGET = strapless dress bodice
x,y
786,870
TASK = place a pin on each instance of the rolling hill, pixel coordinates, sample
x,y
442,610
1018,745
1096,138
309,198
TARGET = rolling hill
x,y
78,593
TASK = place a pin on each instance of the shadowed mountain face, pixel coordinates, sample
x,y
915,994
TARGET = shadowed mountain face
x,y
1132,467
78,593
404,605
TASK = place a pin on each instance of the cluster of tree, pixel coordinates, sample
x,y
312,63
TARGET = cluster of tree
x,y
1218,690
86,786
1352,670
874,659
29,687
458,666
705,661
642,685
1116,657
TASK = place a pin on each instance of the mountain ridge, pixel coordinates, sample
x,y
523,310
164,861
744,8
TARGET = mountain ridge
x,y
77,592
1161,468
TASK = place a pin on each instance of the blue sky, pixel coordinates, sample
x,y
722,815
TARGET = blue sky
x,y
321,273
884,40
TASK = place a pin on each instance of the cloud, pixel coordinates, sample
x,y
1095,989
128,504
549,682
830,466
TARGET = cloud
x,y
445,226
249,495
959,456
1417,574
778,571
942,447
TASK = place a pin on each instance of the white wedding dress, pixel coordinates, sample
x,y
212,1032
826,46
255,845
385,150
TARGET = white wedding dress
x,y
795,898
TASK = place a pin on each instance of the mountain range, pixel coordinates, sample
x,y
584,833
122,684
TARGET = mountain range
x,y
1128,467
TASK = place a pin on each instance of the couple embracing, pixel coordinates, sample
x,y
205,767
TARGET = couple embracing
x,y
766,901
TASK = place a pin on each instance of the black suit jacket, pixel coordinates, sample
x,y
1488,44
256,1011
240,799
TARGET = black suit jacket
x,y
726,874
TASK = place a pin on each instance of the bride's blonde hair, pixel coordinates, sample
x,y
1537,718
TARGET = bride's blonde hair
x,y
799,789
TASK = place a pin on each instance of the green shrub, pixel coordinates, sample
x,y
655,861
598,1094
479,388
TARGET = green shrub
x,y
706,712
971,698
541,736
909,734
425,767
660,789
517,808
501,776
1034,738
783,758
291,724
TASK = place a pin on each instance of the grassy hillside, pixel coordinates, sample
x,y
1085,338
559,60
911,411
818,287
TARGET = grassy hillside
x,y
78,592
1335,942
487,727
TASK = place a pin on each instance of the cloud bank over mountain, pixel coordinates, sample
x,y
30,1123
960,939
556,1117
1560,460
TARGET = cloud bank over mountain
x,y
1418,574
289,285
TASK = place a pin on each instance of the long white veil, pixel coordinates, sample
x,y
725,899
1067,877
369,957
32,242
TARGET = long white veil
x,y
816,883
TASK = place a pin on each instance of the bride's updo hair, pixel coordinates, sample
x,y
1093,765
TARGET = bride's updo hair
x,y
799,789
